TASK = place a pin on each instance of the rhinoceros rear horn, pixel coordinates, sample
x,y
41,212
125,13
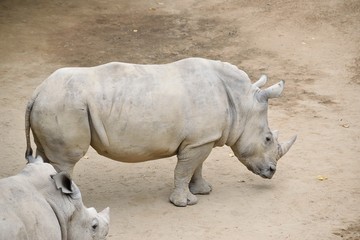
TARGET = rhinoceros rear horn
x,y
261,82
105,214
284,147
273,91
275,134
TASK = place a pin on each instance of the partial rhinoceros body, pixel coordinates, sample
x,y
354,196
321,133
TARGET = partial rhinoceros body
x,y
135,113
40,203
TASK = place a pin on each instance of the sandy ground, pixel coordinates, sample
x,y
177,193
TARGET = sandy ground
x,y
312,45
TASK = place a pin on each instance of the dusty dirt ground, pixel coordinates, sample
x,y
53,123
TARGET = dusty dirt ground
x,y
313,45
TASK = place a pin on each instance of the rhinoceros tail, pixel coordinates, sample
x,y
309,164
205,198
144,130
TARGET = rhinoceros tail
x,y
29,151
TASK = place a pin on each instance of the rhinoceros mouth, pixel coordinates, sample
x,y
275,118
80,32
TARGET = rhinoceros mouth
x,y
265,173
265,167
266,176
268,173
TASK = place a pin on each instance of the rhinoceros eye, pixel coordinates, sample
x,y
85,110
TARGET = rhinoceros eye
x,y
268,139
94,224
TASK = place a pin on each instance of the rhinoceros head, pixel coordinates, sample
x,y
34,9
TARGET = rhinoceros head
x,y
84,223
94,225
64,197
258,147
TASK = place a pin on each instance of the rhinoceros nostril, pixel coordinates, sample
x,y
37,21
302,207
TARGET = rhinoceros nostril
x,y
272,169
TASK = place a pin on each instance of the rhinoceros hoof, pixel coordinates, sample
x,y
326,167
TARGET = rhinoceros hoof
x,y
182,199
200,187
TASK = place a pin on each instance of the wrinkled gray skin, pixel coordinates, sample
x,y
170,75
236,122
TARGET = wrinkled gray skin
x,y
40,203
135,113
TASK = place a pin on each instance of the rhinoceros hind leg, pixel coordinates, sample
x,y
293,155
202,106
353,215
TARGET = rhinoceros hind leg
x,y
62,145
198,185
59,158
40,150
189,159
64,167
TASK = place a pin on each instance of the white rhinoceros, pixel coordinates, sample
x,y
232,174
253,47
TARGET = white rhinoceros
x,y
40,204
135,113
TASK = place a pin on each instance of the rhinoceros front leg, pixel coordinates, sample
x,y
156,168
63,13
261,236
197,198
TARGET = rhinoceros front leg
x,y
198,185
189,159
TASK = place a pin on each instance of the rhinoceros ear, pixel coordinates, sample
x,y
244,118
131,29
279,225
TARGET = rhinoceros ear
x,y
66,185
63,182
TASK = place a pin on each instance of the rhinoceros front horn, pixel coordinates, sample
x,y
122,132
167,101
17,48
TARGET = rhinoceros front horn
x,y
284,147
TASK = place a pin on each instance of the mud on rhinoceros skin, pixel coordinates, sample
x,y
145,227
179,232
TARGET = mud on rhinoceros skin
x,y
134,113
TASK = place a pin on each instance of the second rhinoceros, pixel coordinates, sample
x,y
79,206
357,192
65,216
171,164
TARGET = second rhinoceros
x,y
134,113
39,203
